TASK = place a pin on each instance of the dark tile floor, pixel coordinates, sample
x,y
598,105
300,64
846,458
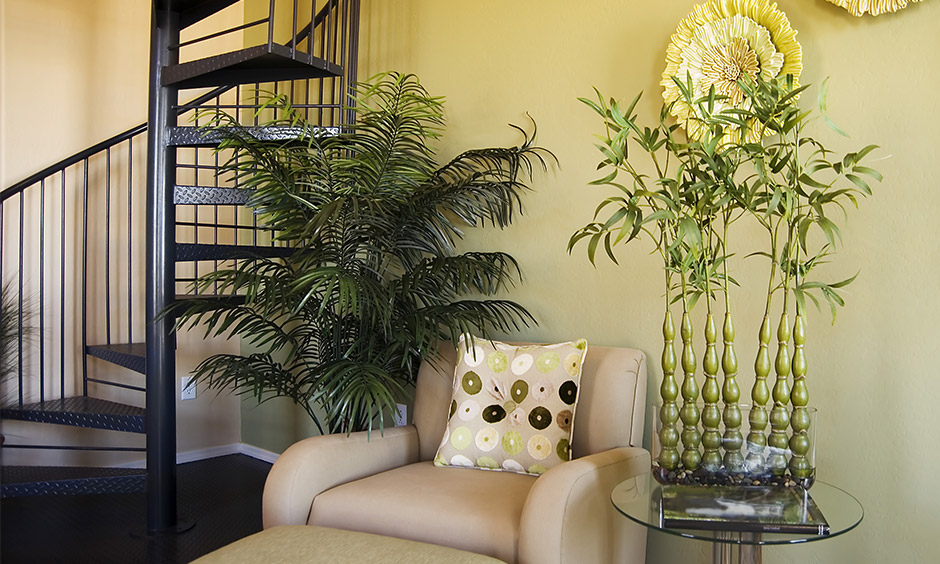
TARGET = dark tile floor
x,y
222,495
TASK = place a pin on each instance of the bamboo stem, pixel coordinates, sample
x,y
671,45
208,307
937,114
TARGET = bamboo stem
x,y
779,415
689,413
800,420
711,415
731,393
669,391
760,395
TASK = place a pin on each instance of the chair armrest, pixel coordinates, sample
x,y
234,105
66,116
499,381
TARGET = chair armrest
x,y
568,517
317,464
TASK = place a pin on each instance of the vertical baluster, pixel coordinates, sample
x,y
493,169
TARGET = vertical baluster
x,y
270,24
800,466
760,395
130,240
338,85
215,211
322,55
669,391
731,393
19,297
779,415
293,32
691,437
711,415
42,290
353,73
107,245
84,279
313,15
62,299
328,31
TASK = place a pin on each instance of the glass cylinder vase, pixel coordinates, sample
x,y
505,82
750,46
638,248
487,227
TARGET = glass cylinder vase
x,y
761,467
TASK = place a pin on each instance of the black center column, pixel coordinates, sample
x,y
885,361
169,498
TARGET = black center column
x,y
160,283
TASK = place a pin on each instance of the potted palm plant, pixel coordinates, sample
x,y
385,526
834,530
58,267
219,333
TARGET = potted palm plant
x,y
375,279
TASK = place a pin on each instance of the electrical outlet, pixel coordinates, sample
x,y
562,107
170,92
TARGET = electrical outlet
x,y
401,415
187,388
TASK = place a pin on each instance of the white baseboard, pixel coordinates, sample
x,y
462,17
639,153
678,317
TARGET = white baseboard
x,y
258,453
213,452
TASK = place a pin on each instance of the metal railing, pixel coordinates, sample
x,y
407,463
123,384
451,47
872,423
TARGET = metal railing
x,y
72,235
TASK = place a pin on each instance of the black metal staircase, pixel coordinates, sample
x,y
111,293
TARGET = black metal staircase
x,y
77,199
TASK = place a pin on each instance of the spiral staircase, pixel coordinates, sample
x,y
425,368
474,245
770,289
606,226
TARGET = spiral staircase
x,y
92,248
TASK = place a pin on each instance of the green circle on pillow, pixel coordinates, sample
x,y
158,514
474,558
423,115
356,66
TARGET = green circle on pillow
x,y
568,392
563,450
540,417
497,361
461,437
519,391
537,469
487,462
494,413
509,406
512,443
548,361
453,408
472,384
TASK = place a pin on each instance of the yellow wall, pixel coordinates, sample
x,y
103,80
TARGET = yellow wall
x,y
873,374
72,73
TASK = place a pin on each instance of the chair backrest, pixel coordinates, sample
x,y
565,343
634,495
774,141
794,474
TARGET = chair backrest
x,y
611,407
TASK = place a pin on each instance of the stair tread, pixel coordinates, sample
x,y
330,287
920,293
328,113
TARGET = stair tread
x,y
261,63
128,355
23,474
20,481
199,251
190,136
81,411
210,195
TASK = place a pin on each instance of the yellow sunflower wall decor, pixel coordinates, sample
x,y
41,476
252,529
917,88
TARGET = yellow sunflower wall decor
x,y
873,7
722,41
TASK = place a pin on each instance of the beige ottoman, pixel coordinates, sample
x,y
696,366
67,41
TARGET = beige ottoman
x,y
320,545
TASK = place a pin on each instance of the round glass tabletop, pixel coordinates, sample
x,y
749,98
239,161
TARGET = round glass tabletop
x,y
640,499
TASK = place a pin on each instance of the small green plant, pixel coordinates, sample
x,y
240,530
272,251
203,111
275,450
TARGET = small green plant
x,y
684,199
375,280
15,329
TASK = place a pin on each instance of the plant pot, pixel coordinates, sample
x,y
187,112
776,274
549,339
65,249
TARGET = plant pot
x,y
753,453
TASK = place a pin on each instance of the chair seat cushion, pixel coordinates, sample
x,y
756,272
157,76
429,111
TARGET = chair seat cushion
x,y
474,510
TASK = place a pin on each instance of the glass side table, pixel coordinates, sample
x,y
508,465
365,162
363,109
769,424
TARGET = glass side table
x,y
639,499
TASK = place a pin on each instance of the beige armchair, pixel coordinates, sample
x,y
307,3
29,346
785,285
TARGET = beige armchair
x,y
388,485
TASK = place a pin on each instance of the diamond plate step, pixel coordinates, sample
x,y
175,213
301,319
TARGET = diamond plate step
x,y
191,251
81,412
210,195
132,355
261,63
21,481
187,136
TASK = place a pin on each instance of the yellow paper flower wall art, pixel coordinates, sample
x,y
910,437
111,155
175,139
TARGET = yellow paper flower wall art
x,y
721,42
873,7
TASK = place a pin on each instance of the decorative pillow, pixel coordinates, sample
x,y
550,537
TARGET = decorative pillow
x,y
513,406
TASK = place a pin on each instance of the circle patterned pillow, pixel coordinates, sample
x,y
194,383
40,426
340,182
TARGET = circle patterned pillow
x,y
513,406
